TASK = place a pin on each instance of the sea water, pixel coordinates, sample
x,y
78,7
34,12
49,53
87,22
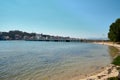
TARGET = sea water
x,y
36,60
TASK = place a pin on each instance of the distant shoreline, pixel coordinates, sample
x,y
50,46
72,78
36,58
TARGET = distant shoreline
x,y
67,40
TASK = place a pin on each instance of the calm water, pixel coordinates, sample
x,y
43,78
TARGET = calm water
x,y
25,60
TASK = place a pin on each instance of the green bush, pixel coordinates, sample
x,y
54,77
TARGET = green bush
x,y
112,78
116,61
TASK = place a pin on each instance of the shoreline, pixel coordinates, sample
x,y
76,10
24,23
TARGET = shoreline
x,y
108,44
107,71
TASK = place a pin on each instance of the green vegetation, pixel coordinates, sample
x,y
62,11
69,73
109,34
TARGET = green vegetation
x,y
112,78
114,31
114,35
16,35
116,61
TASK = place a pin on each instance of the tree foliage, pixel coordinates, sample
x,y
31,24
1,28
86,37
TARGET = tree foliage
x,y
15,35
114,31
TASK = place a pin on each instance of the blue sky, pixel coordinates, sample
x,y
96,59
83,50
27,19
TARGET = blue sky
x,y
74,18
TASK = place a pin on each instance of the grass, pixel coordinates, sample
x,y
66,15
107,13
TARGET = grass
x,y
116,61
112,78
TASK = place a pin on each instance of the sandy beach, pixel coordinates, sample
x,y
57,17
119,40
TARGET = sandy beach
x,y
109,44
105,72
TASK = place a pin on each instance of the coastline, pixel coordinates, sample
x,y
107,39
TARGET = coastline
x,y
105,72
108,44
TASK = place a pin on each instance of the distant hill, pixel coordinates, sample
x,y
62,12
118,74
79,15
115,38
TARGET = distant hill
x,y
20,35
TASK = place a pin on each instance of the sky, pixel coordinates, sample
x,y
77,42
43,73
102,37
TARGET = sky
x,y
74,18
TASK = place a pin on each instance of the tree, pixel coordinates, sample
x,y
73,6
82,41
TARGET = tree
x,y
114,31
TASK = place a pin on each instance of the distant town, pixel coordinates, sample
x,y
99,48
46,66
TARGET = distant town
x,y
20,35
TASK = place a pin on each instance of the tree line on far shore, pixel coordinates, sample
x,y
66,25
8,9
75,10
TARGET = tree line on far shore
x,y
20,35
15,35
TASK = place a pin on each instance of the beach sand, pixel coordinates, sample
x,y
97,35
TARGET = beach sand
x,y
105,72
109,71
